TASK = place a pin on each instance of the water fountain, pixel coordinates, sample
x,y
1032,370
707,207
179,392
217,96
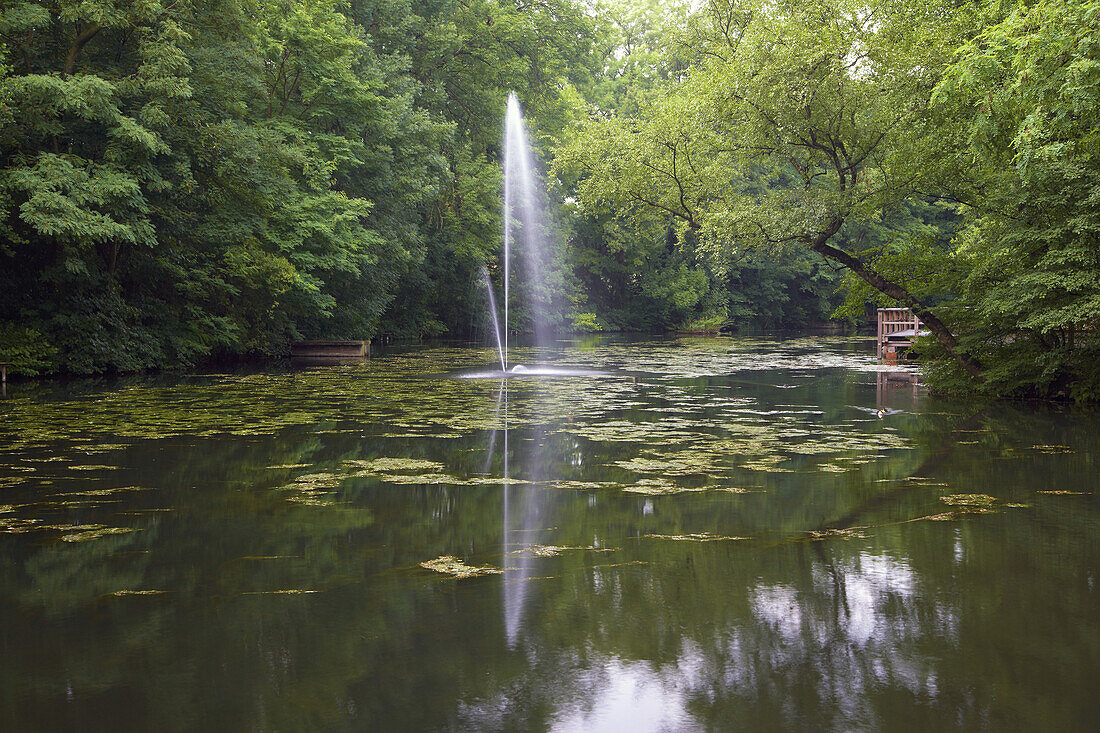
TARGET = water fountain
x,y
525,226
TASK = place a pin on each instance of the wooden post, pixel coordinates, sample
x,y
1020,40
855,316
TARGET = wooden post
x,y
878,330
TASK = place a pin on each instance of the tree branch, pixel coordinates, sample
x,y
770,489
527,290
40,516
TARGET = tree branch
x,y
78,45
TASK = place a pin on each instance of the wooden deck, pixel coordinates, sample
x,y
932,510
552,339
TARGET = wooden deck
x,y
321,351
897,329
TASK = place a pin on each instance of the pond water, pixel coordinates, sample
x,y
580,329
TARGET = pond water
x,y
715,534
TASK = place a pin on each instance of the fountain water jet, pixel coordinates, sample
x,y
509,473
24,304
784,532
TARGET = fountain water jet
x,y
496,320
523,224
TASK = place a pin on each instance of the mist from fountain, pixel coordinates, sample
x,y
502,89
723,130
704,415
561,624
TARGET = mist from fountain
x,y
524,224
525,235
496,320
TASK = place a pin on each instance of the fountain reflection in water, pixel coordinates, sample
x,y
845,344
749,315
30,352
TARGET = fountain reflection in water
x,y
526,510
524,517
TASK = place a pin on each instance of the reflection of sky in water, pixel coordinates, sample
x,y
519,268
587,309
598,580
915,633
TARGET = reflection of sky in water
x,y
605,695
856,627
626,696
854,630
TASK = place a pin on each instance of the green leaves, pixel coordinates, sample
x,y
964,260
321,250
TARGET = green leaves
x,y
1025,93
80,203
182,178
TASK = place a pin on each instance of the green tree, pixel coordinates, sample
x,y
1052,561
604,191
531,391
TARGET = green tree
x,y
1026,95
793,120
187,179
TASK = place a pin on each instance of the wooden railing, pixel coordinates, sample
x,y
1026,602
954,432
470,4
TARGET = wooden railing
x,y
894,320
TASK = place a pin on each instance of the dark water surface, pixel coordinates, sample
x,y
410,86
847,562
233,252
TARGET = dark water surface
x,y
715,535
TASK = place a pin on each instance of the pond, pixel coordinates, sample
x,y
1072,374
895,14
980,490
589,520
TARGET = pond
x,y
711,534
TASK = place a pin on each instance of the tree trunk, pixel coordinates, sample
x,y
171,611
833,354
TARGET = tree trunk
x,y
943,334
78,45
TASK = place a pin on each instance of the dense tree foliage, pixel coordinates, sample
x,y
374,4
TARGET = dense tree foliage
x,y
186,180
943,155
1025,94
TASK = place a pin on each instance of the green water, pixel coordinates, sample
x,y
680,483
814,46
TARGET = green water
x,y
717,534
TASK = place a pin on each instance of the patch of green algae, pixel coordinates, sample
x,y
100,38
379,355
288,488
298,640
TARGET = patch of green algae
x,y
450,565
95,532
693,537
555,550
970,503
659,487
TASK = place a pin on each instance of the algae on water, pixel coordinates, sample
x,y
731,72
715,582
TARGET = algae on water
x,y
555,550
970,503
693,537
450,565
87,535
389,465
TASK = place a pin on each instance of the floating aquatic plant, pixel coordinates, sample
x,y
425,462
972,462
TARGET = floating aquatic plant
x,y
311,500
970,503
846,533
554,550
450,565
389,465
87,535
658,487
105,492
693,537
678,464
18,525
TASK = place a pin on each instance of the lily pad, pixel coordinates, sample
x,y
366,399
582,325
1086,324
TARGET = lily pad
x,y
18,525
106,492
388,465
658,487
